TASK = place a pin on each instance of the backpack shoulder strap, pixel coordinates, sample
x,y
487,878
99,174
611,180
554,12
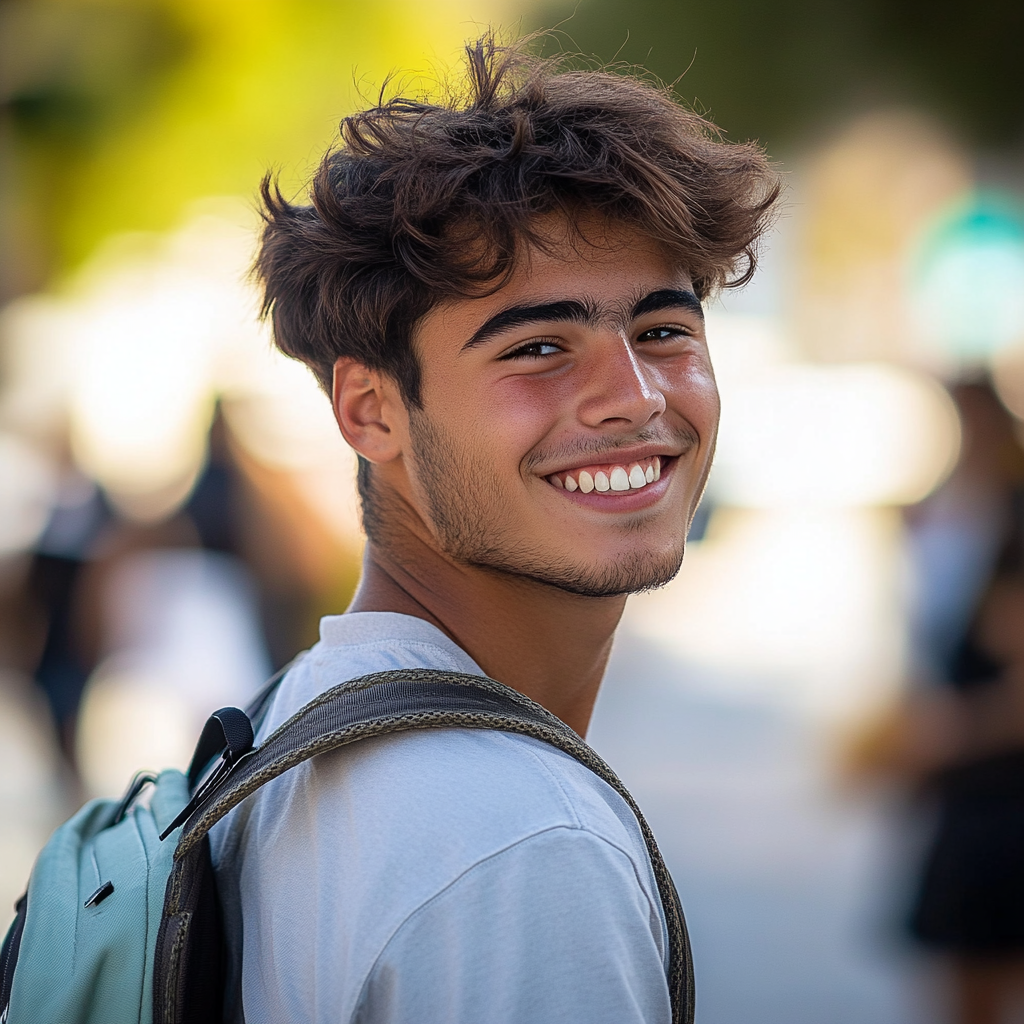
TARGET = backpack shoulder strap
x,y
397,701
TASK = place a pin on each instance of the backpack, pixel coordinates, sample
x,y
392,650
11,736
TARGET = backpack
x,y
121,921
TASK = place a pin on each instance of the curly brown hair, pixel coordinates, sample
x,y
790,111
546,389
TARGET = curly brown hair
x,y
424,202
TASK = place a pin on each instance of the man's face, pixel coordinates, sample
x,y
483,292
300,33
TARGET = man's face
x,y
568,420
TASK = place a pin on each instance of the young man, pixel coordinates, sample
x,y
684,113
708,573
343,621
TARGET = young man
x,y
503,296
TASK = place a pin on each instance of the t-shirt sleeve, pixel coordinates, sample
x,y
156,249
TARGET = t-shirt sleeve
x,y
555,929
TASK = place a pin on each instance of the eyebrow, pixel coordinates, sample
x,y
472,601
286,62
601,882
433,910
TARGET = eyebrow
x,y
566,311
579,312
668,298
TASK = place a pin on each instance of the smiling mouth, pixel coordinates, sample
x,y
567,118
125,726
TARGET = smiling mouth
x,y
611,478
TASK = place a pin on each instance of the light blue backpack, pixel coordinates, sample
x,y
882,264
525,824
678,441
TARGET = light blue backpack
x,y
84,954
84,943
120,926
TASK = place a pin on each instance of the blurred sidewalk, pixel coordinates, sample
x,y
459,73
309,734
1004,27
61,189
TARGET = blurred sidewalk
x,y
783,878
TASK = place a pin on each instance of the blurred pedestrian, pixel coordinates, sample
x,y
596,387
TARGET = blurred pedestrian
x,y
78,519
969,542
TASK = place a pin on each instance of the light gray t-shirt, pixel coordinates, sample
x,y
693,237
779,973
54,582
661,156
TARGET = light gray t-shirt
x,y
447,876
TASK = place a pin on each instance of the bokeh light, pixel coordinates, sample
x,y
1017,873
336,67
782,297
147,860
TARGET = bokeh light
x,y
967,278
858,434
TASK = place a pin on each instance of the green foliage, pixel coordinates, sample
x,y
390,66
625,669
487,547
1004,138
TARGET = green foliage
x,y
118,113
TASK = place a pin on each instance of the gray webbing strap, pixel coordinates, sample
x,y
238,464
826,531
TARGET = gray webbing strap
x,y
386,702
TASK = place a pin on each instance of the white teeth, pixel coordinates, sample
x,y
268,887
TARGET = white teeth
x,y
618,478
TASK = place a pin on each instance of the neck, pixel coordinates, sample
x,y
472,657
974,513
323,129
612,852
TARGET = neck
x,y
547,644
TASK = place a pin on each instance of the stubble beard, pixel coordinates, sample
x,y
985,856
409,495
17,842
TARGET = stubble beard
x,y
468,513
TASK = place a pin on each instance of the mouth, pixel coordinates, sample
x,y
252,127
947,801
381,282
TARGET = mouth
x,y
613,478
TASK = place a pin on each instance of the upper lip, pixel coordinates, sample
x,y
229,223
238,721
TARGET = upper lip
x,y
616,457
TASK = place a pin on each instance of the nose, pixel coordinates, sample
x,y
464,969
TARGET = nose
x,y
617,389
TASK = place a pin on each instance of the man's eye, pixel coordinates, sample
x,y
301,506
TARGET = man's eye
x,y
661,334
533,350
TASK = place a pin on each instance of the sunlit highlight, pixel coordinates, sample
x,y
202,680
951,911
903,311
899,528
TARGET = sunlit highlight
x,y
854,435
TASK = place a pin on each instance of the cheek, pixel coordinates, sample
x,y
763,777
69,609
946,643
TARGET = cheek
x,y
493,424
521,411
691,392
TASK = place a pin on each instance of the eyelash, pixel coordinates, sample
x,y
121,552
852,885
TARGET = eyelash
x,y
523,352
671,331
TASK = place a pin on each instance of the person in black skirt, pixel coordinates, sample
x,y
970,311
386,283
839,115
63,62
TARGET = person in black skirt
x,y
969,903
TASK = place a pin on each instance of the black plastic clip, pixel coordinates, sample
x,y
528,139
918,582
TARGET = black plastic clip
x,y
229,731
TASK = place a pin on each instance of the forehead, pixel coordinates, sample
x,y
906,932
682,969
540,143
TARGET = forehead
x,y
603,263
594,248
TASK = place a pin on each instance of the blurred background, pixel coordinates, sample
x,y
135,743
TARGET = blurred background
x,y
823,715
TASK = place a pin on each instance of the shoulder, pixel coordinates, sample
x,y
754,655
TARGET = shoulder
x,y
379,873
386,824
461,795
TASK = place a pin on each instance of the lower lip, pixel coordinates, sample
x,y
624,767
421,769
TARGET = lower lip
x,y
624,501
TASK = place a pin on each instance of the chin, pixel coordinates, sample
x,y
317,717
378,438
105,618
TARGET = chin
x,y
628,572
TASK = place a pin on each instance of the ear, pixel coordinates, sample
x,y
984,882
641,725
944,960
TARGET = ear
x,y
368,409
